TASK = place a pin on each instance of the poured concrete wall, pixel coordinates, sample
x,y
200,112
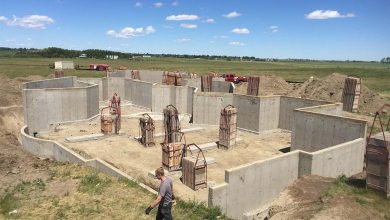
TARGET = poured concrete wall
x,y
222,86
64,82
250,186
194,83
255,113
97,81
115,85
46,107
287,106
153,76
55,151
121,73
315,131
208,105
139,92
346,158
179,96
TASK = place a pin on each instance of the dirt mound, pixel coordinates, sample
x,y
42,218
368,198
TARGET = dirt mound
x,y
331,88
269,85
10,89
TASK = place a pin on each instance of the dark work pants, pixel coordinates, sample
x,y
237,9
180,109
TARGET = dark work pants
x,y
164,212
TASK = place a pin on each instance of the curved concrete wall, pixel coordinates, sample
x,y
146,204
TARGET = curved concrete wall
x,y
46,106
55,151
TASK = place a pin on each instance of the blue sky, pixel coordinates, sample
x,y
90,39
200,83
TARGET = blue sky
x,y
313,29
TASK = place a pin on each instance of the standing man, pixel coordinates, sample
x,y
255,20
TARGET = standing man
x,y
164,198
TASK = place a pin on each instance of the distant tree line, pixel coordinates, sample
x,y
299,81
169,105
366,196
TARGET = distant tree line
x,y
55,52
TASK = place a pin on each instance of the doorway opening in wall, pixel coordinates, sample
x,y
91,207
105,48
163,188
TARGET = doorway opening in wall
x,y
285,150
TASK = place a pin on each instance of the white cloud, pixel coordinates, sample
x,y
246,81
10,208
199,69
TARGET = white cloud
x,y
138,4
232,14
240,31
321,14
175,3
274,28
182,40
129,32
236,43
188,26
30,21
158,4
210,21
221,37
182,17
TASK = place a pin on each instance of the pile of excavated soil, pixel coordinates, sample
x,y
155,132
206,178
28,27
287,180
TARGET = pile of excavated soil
x,y
10,89
330,88
269,85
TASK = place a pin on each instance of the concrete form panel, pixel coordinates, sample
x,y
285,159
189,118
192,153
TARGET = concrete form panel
x,y
248,111
152,76
269,113
251,186
207,107
314,131
287,107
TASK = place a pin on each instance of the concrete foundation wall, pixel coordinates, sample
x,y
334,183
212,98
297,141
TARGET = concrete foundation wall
x,y
43,107
208,105
139,92
152,76
248,111
54,150
250,186
115,85
194,83
315,131
269,113
346,158
97,81
222,86
179,96
121,73
64,82
287,106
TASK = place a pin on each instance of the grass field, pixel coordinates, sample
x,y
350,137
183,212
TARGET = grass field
x,y
375,75
74,192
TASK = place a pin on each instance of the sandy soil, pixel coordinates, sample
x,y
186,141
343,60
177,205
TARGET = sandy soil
x,y
306,199
128,155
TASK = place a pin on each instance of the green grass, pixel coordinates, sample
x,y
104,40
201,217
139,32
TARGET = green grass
x,y
375,75
357,190
94,196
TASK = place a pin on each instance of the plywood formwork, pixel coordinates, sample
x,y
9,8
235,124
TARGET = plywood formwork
x,y
378,162
253,85
228,127
194,169
171,124
351,94
172,155
206,83
146,129
135,74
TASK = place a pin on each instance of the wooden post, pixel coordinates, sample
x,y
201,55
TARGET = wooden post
x,y
253,86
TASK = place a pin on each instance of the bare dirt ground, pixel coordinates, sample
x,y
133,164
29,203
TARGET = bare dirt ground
x,y
131,157
329,88
314,197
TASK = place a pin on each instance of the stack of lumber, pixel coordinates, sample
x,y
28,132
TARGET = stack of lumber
x,y
378,162
253,85
351,94
172,78
172,155
135,74
206,83
59,74
194,170
171,124
228,127
146,128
